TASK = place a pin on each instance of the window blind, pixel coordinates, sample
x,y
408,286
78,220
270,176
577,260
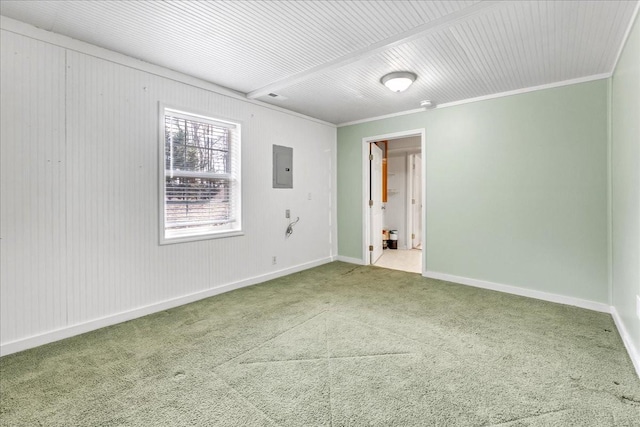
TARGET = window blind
x,y
202,175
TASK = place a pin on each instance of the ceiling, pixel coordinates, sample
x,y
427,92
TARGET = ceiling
x,y
325,58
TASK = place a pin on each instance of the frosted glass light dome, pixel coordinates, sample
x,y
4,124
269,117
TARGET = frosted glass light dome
x,y
398,81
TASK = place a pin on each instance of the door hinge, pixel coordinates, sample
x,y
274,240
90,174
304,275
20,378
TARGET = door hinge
x,y
413,236
413,201
371,248
370,156
370,202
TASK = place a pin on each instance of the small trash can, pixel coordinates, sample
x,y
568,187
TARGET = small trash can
x,y
393,239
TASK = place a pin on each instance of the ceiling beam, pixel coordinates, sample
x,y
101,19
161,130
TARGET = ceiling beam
x,y
398,39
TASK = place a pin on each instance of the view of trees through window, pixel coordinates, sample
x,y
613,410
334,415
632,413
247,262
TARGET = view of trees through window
x,y
197,174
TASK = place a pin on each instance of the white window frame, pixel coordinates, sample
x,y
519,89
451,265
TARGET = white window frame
x,y
234,228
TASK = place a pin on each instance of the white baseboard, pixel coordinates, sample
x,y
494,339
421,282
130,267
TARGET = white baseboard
x,y
634,353
91,325
350,260
545,296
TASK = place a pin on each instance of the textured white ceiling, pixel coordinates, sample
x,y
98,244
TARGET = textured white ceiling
x,y
327,57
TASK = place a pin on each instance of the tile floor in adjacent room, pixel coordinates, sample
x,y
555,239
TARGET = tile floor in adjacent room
x,y
401,259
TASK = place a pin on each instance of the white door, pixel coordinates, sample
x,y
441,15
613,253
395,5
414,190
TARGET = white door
x,y
416,201
375,203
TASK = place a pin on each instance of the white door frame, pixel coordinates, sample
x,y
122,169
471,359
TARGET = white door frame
x,y
411,218
407,200
366,234
376,209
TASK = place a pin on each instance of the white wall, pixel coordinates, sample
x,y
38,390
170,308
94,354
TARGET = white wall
x,y
79,208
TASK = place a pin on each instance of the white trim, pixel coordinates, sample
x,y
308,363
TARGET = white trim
x,y
634,353
545,296
386,116
395,135
68,43
350,260
528,89
610,189
486,97
91,325
233,226
634,16
408,217
366,238
423,188
366,188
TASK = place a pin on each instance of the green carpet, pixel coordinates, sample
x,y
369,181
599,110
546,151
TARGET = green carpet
x,y
337,345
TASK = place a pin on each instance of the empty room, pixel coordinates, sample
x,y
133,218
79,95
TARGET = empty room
x,y
319,213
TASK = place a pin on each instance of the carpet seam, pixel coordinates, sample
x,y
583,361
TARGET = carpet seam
x,y
244,399
394,333
264,362
555,411
329,377
269,340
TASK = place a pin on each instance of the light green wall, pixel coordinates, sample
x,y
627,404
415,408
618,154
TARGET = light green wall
x,y
625,186
350,191
516,189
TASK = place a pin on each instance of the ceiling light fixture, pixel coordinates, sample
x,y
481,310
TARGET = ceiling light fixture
x,y
398,81
427,103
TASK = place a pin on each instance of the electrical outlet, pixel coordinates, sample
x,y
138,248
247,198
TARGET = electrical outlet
x,y
287,213
638,306
309,196
274,260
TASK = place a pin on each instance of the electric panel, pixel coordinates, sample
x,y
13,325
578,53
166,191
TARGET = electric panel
x,y
282,167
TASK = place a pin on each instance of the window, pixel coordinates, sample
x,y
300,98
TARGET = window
x,y
200,178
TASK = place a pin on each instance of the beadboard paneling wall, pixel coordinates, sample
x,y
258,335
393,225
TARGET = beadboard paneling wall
x,y
33,188
79,222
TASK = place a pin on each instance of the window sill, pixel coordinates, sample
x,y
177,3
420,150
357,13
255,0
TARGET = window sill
x,y
199,237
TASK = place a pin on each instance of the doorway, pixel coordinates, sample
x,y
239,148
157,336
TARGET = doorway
x,y
393,217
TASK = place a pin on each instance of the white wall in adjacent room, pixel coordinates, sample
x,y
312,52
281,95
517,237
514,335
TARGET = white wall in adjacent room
x,y
395,209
